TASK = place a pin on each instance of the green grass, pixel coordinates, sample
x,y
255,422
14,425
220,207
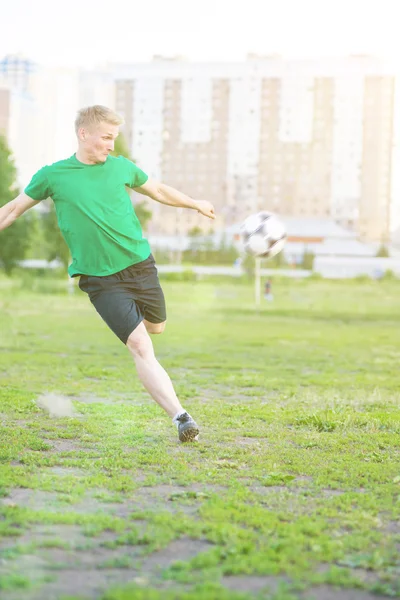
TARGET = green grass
x,y
296,478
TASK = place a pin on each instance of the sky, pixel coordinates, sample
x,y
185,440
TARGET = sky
x,y
90,33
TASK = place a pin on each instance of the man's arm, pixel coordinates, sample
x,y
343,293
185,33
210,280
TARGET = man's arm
x,y
14,209
172,197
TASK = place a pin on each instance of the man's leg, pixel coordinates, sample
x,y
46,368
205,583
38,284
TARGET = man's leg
x,y
122,307
154,327
156,380
153,376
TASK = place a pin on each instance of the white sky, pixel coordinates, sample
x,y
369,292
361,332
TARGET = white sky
x,y
89,33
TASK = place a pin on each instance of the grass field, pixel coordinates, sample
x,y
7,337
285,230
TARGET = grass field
x,y
293,490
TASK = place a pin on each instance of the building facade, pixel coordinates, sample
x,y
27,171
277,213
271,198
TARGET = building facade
x,y
303,138
38,107
317,138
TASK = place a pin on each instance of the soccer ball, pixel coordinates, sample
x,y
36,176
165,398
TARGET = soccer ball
x,y
263,234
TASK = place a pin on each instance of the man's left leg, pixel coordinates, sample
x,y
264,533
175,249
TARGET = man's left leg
x,y
154,328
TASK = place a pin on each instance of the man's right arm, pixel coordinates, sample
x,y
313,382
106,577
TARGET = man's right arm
x,y
14,209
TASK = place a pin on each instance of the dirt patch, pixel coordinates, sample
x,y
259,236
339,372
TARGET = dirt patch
x,y
23,423
275,497
183,549
39,500
96,556
252,583
34,499
71,537
43,534
88,584
169,492
95,400
247,441
66,471
298,480
114,398
393,527
325,592
159,498
331,493
90,572
304,478
65,445
328,493
173,498
366,576
219,391
266,490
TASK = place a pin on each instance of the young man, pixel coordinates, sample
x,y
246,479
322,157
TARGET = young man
x,y
114,262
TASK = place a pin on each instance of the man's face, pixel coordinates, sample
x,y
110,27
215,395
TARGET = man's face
x,y
98,141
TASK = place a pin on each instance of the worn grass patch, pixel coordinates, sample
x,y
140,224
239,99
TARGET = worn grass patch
x,y
293,490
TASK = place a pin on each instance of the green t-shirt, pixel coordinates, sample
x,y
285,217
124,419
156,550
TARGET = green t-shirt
x,y
95,212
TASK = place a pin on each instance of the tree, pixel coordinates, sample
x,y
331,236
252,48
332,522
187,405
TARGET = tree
x,y
308,260
383,251
14,241
55,245
121,147
196,239
196,231
143,213
142,210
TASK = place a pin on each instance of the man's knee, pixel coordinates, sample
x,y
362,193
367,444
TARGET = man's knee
x,y
139,342
154,327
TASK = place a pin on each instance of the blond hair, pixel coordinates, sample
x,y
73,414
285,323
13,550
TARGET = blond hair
x,y
94,115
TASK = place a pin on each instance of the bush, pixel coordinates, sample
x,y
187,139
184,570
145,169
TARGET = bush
x,y
43,281
362,278
383,251
186,275
315,276
308,260
389,275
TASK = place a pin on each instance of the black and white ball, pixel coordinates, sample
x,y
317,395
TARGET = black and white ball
x,y
263,235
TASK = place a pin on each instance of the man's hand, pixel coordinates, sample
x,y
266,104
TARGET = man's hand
x,y
205,208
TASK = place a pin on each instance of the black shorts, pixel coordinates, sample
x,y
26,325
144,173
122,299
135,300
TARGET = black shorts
x,y
125,298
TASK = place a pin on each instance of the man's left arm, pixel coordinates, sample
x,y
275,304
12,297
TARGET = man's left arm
x,y
168,195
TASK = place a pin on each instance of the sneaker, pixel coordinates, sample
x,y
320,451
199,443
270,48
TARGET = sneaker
x,y
188,429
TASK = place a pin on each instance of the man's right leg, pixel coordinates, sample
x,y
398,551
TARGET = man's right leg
x,y
158,383
153,376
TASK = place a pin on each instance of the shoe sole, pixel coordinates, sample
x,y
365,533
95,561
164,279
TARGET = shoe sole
x,y
189,435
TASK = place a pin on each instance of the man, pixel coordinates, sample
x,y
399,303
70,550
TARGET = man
x,y
109,253
268,291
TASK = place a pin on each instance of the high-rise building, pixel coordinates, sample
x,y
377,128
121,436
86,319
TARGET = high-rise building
x,y
59,93
17,71
17,118
395,166
38,107
303,138
18,112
